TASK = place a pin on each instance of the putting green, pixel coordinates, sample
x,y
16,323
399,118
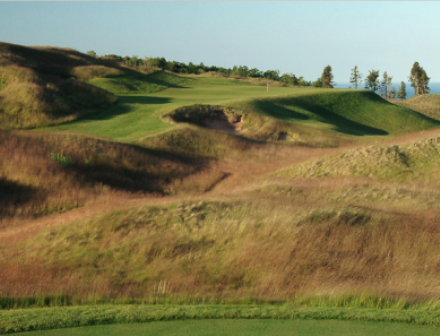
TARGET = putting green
x,y
248,327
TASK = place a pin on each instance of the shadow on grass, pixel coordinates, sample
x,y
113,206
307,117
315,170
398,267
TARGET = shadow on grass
x,y
166,79
143,99
342,124
120,109
138,169
15,194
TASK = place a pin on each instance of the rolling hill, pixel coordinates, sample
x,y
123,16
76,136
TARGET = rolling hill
x,y
239,194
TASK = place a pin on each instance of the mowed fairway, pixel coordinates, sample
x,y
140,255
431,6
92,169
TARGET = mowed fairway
x,y
248,327
138,116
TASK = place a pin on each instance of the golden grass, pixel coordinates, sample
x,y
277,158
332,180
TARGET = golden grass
x,y
427,104
249,237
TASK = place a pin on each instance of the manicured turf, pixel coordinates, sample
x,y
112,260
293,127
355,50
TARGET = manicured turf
x,y
248,327
140,109
137,116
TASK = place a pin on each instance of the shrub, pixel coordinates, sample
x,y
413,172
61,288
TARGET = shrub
x,y
62,160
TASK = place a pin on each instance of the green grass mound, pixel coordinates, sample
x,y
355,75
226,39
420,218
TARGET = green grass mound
x,y
415,161
37,88
348,112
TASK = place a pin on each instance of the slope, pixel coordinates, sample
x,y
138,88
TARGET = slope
x,y
428,104
42,86
348,112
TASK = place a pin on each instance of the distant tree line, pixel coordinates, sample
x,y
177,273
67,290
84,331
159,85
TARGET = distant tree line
x,y
418,78
191,68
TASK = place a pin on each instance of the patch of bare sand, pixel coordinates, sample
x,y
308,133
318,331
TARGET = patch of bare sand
x,y
222,123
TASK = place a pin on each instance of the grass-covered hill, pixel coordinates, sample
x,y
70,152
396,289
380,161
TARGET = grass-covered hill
x,y
44,85
321,118
45,173
349,112
225,191
428,104
417,161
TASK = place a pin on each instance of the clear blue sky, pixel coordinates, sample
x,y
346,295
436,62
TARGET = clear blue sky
x,y
298,37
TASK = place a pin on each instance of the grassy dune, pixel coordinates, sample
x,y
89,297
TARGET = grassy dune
x,y
38,86
44,173
426,104
417,161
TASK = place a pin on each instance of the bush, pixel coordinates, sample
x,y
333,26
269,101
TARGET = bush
x,y
61,159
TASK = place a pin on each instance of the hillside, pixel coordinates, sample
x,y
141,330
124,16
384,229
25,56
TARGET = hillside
x,y
428,104
349,112
417,161
43,86
45,173
205,189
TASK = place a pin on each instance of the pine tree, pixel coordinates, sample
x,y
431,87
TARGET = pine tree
x,y
414,77
372,80
327,77
419,79
423,82
391,92
385,85
356,77
402,91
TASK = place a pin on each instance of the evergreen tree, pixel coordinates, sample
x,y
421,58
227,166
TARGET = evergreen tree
x,y
372,80
327,77
414,77
402,91
356,77
317,83
419,79
386,84
423,82
391,91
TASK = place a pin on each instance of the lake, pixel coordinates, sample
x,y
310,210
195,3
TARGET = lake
x,y
435,88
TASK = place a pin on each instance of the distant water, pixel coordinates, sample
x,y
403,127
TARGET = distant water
x,y
435,88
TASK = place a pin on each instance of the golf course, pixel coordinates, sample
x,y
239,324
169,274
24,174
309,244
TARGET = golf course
x,y
140,201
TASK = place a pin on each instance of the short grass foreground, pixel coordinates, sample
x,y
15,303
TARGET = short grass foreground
x,y
254,320
248,327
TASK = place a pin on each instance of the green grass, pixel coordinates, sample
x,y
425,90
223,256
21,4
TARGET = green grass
x,y
249,327
80,316
139,116
302,113
345,111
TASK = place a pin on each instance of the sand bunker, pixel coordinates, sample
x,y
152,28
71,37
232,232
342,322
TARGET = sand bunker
x,y
222,123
